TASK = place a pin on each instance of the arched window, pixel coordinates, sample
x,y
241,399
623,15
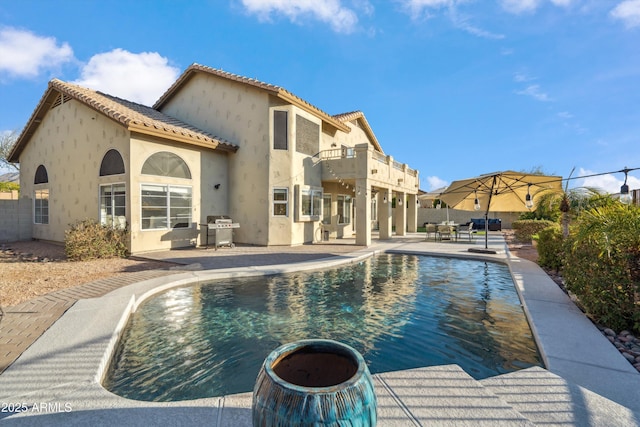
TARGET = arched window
x,y
167,164
41,197
41,175
112,163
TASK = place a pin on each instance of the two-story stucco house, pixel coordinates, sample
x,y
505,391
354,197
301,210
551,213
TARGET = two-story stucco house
x,y
214,144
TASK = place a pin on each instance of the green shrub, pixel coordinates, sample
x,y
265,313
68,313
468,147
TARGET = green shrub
x,y
526,228
9,186
88,240
602,265
550,250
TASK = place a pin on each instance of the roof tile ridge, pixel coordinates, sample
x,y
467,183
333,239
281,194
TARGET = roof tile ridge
x,y
348,115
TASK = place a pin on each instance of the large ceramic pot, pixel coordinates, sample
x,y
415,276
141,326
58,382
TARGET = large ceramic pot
x,y
314,382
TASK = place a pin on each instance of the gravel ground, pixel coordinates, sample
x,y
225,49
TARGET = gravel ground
x,y
32,268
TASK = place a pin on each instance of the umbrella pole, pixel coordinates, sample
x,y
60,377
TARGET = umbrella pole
x,y
486,230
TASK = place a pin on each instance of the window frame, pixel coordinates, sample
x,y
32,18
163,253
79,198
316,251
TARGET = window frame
x,y
104,217
326,213
281,140
167,206
39,206
308,203
344,211
285,202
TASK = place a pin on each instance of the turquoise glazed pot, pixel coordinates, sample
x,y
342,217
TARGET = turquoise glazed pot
x,y
314,383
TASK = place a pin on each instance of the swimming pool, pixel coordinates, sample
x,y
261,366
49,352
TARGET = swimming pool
x,y
399,311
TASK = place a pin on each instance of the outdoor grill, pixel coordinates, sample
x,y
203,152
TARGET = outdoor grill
x,y
222,227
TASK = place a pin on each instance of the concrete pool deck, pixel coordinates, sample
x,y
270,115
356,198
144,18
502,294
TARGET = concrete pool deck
x,y
587,382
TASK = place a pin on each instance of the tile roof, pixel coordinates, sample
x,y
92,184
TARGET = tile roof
x,y
135,117
359,115
274,90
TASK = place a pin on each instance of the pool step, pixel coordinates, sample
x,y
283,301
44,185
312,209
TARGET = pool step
x,y
440,396
549,400
448,396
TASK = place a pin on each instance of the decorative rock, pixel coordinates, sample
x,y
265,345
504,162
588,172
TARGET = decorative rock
x,y
629,357
609,332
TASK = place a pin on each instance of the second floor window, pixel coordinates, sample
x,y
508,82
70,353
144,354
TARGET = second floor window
x,y
280,130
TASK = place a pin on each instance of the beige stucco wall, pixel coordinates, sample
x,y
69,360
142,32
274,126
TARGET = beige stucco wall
x,y
239,114
70,142
207,168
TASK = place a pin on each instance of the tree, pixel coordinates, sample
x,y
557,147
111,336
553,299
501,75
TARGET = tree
x,y
7,140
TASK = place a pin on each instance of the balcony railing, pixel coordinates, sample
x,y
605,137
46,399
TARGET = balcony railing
x,y
338,154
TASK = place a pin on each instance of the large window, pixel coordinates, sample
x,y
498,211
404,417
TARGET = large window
x,y
344,209
165,206
281,202
310,203
41,207
280,130
112,205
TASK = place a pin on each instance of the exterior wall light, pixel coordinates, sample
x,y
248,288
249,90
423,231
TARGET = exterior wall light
x,y
625,197
476,202
528,201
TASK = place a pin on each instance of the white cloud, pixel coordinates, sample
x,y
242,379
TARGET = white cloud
x,y
534,92
340,18
422,9
25,54
141,77
525,6
418,8
436,183
565,115
522,77
628,12
608,183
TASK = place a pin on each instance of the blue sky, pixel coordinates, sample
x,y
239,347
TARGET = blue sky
x,y
454,88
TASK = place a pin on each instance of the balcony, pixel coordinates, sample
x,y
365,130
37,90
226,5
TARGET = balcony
x,y
351,164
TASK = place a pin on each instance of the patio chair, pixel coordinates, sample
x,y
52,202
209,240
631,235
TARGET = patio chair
x,y
467,229
444,231
431,228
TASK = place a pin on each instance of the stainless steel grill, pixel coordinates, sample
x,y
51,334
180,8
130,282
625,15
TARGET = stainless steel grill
x,y
222,227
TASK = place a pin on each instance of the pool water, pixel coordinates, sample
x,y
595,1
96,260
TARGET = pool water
x,y
399,311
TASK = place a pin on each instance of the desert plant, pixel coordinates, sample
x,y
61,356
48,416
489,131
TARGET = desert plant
x,y
602,264
526,228
550,247
87,240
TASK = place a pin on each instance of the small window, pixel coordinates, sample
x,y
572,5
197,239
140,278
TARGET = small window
x,y
41,175
344,209
166,164
280,130
112,164
41,206
281,202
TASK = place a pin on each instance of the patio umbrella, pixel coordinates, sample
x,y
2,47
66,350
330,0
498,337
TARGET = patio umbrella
x,y
506,191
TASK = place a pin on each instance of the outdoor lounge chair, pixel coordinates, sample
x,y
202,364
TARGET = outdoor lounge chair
x,y
444,231
467,229
431,228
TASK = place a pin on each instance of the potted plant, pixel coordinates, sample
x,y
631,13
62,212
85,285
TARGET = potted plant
x,y
314,382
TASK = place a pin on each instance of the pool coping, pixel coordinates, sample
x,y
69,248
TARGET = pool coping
x,y
63,369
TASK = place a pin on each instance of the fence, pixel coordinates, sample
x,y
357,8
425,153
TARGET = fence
x,y
15,220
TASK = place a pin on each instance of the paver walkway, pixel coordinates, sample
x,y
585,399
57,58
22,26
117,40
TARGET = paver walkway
x,y
24,323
